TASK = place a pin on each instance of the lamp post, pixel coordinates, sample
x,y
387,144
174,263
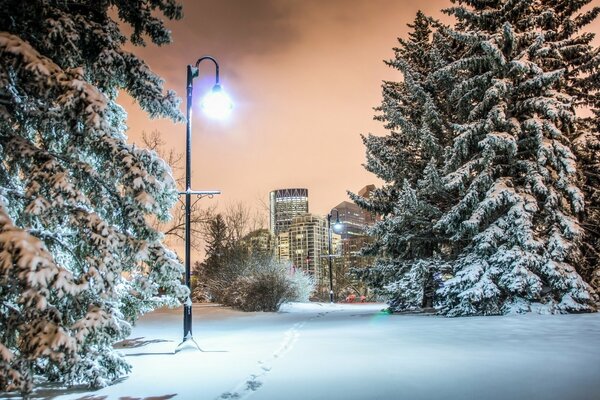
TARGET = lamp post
x,y
216,104
337,227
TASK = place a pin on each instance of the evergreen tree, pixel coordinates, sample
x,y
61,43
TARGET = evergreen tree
x,y
490,174
573,52
588,148
516,228
218,246
78,260
406,246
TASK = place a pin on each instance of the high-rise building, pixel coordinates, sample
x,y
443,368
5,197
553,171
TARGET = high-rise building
x,y
283,246
309,246
284,205
308,243
355,222
366,192
353,218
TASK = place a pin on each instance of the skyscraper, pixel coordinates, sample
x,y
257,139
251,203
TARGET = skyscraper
x,y
366,192
282,252
284,205
308,246
353,218
355,222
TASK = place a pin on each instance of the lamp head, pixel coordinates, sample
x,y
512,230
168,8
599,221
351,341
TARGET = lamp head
x,y
338,227
217,104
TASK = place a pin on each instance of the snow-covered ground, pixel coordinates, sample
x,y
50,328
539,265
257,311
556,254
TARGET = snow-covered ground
x,y
322,351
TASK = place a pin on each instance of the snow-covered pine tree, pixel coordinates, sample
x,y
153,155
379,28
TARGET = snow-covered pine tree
x,y
587,150
591,223
406,247
516,227
78,261
572,51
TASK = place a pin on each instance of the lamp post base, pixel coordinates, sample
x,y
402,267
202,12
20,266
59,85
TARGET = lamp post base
x,y
187,343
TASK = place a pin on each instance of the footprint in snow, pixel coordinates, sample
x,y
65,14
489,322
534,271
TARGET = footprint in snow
x,y
229,395
253,385
245,388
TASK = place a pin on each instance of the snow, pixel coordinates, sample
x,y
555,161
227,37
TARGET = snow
x,y
355,351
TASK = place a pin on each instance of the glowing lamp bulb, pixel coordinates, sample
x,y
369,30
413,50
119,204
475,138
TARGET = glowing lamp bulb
x,y
216,104
338,227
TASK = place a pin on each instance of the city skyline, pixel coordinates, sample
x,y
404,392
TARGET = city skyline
x,y
308,240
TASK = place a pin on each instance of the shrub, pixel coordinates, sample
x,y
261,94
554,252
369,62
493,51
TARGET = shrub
x,y
251,282
303,286
263,291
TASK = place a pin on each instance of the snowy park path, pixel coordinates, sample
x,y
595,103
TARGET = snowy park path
x,y
322,351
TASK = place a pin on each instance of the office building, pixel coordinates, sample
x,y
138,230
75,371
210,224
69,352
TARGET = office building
x,y
282,251
309,246
366,192
355,223
353,218
260,241
284,205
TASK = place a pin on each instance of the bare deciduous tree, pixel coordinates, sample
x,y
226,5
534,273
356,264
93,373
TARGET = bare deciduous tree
x,y
241,220
175,228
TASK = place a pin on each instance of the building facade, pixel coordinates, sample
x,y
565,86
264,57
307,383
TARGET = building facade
x,y
309,247
308,243
283,247
366,192
353,218
284,205
355,223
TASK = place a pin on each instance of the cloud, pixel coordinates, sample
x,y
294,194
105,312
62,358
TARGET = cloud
x,y
241,28
230,30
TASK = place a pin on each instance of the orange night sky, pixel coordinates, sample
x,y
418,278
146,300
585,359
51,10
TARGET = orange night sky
x,y
304,76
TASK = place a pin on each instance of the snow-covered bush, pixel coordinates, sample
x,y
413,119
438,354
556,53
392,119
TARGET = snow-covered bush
x,y
78,260
264,289
303,285
253,282
240,269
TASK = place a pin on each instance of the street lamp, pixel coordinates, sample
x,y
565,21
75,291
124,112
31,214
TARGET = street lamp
x,y
216,104
337,227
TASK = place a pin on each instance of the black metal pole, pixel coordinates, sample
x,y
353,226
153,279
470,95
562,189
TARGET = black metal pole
x,y
192,72
187,307
329,259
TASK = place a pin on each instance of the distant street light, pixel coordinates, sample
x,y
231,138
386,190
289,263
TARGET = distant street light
x,y
216,104
337,227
